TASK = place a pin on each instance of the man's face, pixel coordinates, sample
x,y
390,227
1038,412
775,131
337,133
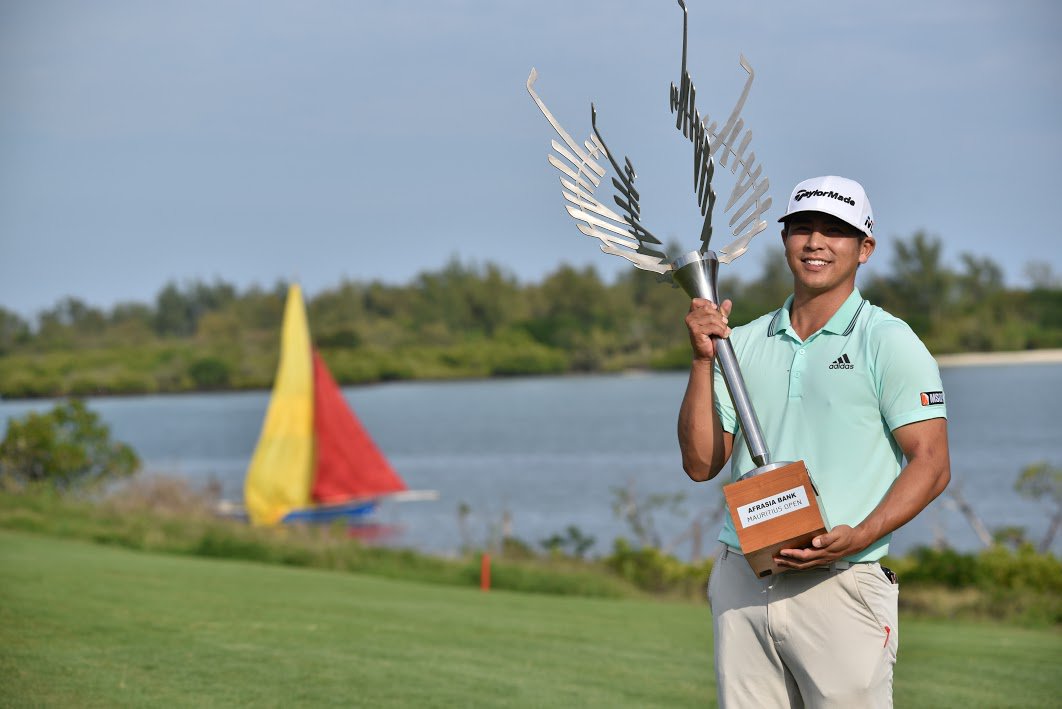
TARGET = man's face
x,y
823,252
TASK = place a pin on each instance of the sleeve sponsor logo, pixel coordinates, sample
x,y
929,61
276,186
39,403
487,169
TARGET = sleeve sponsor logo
x,y
930,398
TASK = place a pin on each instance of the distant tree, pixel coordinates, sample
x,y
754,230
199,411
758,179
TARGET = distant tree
x,y
340,337
177,311
67,446
574,310
465,299
13,330
980,279
386,301
638,511
1042,276
130,312
1043,482
339,309
766,292
260,310
466,319
574,542
919,287
68,322
209,373
656,311
173,313
1012,536
76,314
130,324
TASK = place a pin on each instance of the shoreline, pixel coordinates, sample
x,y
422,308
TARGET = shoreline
x,y
975,359
944,361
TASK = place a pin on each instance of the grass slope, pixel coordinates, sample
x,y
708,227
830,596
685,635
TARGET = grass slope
x,y
87,625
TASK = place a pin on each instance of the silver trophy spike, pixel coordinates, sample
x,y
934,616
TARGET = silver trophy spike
x,y
625,235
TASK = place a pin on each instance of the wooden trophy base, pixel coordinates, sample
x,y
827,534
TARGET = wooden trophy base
x,y
774,510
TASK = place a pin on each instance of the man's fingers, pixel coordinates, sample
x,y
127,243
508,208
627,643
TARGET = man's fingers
x,y
701,304
706,320
701,309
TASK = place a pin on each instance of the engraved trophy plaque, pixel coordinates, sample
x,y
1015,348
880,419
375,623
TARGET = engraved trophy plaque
x,y
775,505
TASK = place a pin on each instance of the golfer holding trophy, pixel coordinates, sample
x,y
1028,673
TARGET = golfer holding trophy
x,y
804,615
849,389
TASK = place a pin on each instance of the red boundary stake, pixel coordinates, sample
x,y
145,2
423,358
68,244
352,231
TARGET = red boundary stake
x,y
484,572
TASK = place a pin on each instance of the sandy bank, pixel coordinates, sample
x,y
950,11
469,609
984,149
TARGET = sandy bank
x,y
973,359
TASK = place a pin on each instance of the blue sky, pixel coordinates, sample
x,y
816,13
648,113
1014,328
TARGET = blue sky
x,y
262,140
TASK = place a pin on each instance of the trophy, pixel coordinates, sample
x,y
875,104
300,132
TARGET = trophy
x,y
774,506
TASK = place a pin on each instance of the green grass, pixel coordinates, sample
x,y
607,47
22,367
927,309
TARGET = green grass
x,y
165,516
89,625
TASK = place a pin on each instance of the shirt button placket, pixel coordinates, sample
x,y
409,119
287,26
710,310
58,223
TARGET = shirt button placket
x,y
796,388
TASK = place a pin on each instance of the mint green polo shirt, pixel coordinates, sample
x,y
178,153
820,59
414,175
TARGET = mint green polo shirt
x,y
833,401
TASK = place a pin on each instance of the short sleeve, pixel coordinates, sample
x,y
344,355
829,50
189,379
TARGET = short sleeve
x,y
906,376
724,406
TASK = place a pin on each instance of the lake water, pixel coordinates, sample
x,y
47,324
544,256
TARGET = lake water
x,y
551,452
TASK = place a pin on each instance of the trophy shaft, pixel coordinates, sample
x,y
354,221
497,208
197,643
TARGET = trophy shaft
x,y
695,273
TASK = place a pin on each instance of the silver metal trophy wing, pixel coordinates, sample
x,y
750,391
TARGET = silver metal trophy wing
x,y
581,175
625,236
710,140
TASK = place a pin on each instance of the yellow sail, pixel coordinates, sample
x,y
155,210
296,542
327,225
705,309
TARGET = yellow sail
x,y
281,469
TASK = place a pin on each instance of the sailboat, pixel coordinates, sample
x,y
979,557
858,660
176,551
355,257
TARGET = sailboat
x,y
314,461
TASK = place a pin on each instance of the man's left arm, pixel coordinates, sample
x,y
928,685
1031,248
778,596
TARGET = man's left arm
x,y
928,470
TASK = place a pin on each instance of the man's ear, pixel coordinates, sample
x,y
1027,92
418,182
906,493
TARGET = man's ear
x,y
866,249
784,229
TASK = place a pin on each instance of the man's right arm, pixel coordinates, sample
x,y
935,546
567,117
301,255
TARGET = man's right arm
x,y
704,444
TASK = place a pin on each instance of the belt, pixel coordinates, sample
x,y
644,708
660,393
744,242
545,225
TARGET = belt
x,y
839,565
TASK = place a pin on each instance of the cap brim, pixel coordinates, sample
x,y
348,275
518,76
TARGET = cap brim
x,y
781,219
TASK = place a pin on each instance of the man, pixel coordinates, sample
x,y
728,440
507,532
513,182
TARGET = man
x,y
850,390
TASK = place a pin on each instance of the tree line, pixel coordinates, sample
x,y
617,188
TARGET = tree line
x,y
465,320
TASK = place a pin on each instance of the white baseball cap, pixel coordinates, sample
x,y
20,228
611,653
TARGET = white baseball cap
x,y
839,196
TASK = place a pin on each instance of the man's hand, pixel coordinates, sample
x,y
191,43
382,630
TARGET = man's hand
x,y
825,549
704,321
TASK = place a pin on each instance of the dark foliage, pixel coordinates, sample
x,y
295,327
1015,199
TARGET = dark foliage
x,y
470,321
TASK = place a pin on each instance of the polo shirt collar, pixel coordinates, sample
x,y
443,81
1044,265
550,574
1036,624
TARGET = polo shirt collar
x,y
841,323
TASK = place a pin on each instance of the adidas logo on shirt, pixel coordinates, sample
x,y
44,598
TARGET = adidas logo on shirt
x,y
842,363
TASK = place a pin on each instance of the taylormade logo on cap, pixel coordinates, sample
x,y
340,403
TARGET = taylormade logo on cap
x,y
819,193
838,196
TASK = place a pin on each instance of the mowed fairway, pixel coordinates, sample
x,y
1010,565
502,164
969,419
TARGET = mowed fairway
x,y
86,625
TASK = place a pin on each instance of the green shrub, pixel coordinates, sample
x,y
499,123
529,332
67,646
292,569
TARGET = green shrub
x,y
998,582
131,383
68,446
944,567
340,338
996,567
652,570
674,358
84,386
209,373
1023,569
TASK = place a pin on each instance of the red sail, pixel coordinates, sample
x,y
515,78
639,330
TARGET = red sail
x,y
349,465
